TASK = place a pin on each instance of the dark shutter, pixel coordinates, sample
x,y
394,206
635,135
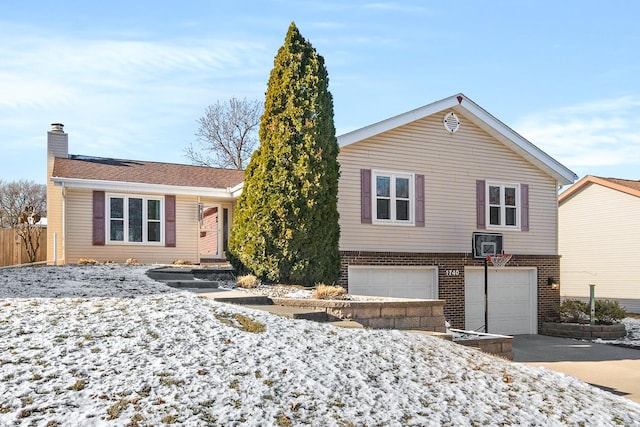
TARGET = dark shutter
x,y
419,200
365,196
524,207
481,223
170,221
98,218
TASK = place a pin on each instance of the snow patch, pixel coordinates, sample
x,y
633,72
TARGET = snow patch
x,y
106,345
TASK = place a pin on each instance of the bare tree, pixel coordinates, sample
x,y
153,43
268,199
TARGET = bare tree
x,y
22,205
227,134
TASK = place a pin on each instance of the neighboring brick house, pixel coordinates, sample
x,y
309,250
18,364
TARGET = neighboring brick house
x,y
599,233
413,189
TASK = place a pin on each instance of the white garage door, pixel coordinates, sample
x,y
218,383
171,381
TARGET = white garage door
x,y
513,297
397,282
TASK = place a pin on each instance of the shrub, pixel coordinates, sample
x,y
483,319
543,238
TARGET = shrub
x,y
85,261
248,281
574,311
329,292
608,312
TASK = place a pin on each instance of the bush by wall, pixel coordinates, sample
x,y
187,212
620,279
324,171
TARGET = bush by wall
x,y
607,312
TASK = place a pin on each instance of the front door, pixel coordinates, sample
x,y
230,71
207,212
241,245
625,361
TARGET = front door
x,y
210,241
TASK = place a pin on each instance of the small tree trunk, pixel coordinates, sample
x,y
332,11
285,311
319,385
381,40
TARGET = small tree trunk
x,y
28,233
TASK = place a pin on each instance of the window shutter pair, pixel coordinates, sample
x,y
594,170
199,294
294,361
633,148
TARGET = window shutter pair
x,y
366,198
481,204
99,229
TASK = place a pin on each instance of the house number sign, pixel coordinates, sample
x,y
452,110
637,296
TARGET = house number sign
x,y
452,272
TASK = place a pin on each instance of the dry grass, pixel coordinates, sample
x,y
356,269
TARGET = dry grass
x,y
329,292
240,321
249,324
87,261
79,385
248,281
114,410
283,421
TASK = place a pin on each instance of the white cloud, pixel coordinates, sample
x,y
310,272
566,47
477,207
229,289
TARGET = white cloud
x,y
588,135
42,69
120,95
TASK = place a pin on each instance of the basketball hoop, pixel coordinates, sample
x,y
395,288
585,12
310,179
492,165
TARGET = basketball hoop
x,y
499,260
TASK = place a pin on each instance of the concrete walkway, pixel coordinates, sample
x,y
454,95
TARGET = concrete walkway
x,y
611,368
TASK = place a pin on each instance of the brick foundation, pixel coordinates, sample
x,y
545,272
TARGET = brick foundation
x,y
451,288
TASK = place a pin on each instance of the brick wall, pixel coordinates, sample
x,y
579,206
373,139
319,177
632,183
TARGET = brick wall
x,y
451,288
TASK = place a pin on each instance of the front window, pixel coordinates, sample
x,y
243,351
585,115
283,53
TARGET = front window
x,y
504,205
393,198
134,219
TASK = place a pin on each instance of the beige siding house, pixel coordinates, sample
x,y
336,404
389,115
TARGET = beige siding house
x,y
423,198
415,189
113,210
599,235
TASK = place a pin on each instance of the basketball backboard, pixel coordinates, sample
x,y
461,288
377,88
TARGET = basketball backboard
x,y
485,244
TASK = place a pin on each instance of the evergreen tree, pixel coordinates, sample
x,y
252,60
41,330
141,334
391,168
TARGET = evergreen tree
x,y
286,221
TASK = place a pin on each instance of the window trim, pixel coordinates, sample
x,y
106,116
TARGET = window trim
x,y
125,219
392,197
503,207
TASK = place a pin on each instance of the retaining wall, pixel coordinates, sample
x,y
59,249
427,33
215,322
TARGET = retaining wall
x,y
493,344
589,332
392,313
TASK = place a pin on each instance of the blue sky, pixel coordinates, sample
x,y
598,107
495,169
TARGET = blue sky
x,y
130,79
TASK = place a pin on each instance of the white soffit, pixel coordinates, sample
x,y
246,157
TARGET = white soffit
x,y
136,187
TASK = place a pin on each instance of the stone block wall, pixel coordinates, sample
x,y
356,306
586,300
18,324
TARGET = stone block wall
x,y
589,332
498,346
387,313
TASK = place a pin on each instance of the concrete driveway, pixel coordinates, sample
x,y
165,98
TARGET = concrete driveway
x,y
611,368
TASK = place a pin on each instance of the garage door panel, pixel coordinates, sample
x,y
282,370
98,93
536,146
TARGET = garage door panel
x,y
509,310
397,282
512,297
513,293
474,319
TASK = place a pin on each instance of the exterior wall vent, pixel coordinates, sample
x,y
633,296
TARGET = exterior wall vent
x,y
451,122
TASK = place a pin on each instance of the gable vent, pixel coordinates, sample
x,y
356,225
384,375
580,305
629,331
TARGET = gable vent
x,y
451,122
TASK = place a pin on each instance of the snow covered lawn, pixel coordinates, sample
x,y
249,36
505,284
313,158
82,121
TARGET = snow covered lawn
x,y
105,345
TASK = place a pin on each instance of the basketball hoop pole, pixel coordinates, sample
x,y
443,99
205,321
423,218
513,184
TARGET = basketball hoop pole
x,y
486,295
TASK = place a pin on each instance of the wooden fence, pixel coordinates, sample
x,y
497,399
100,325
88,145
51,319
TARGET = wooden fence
x,y
12,249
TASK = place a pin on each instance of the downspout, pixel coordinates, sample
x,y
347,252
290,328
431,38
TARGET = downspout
x,y
63,192
198,217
